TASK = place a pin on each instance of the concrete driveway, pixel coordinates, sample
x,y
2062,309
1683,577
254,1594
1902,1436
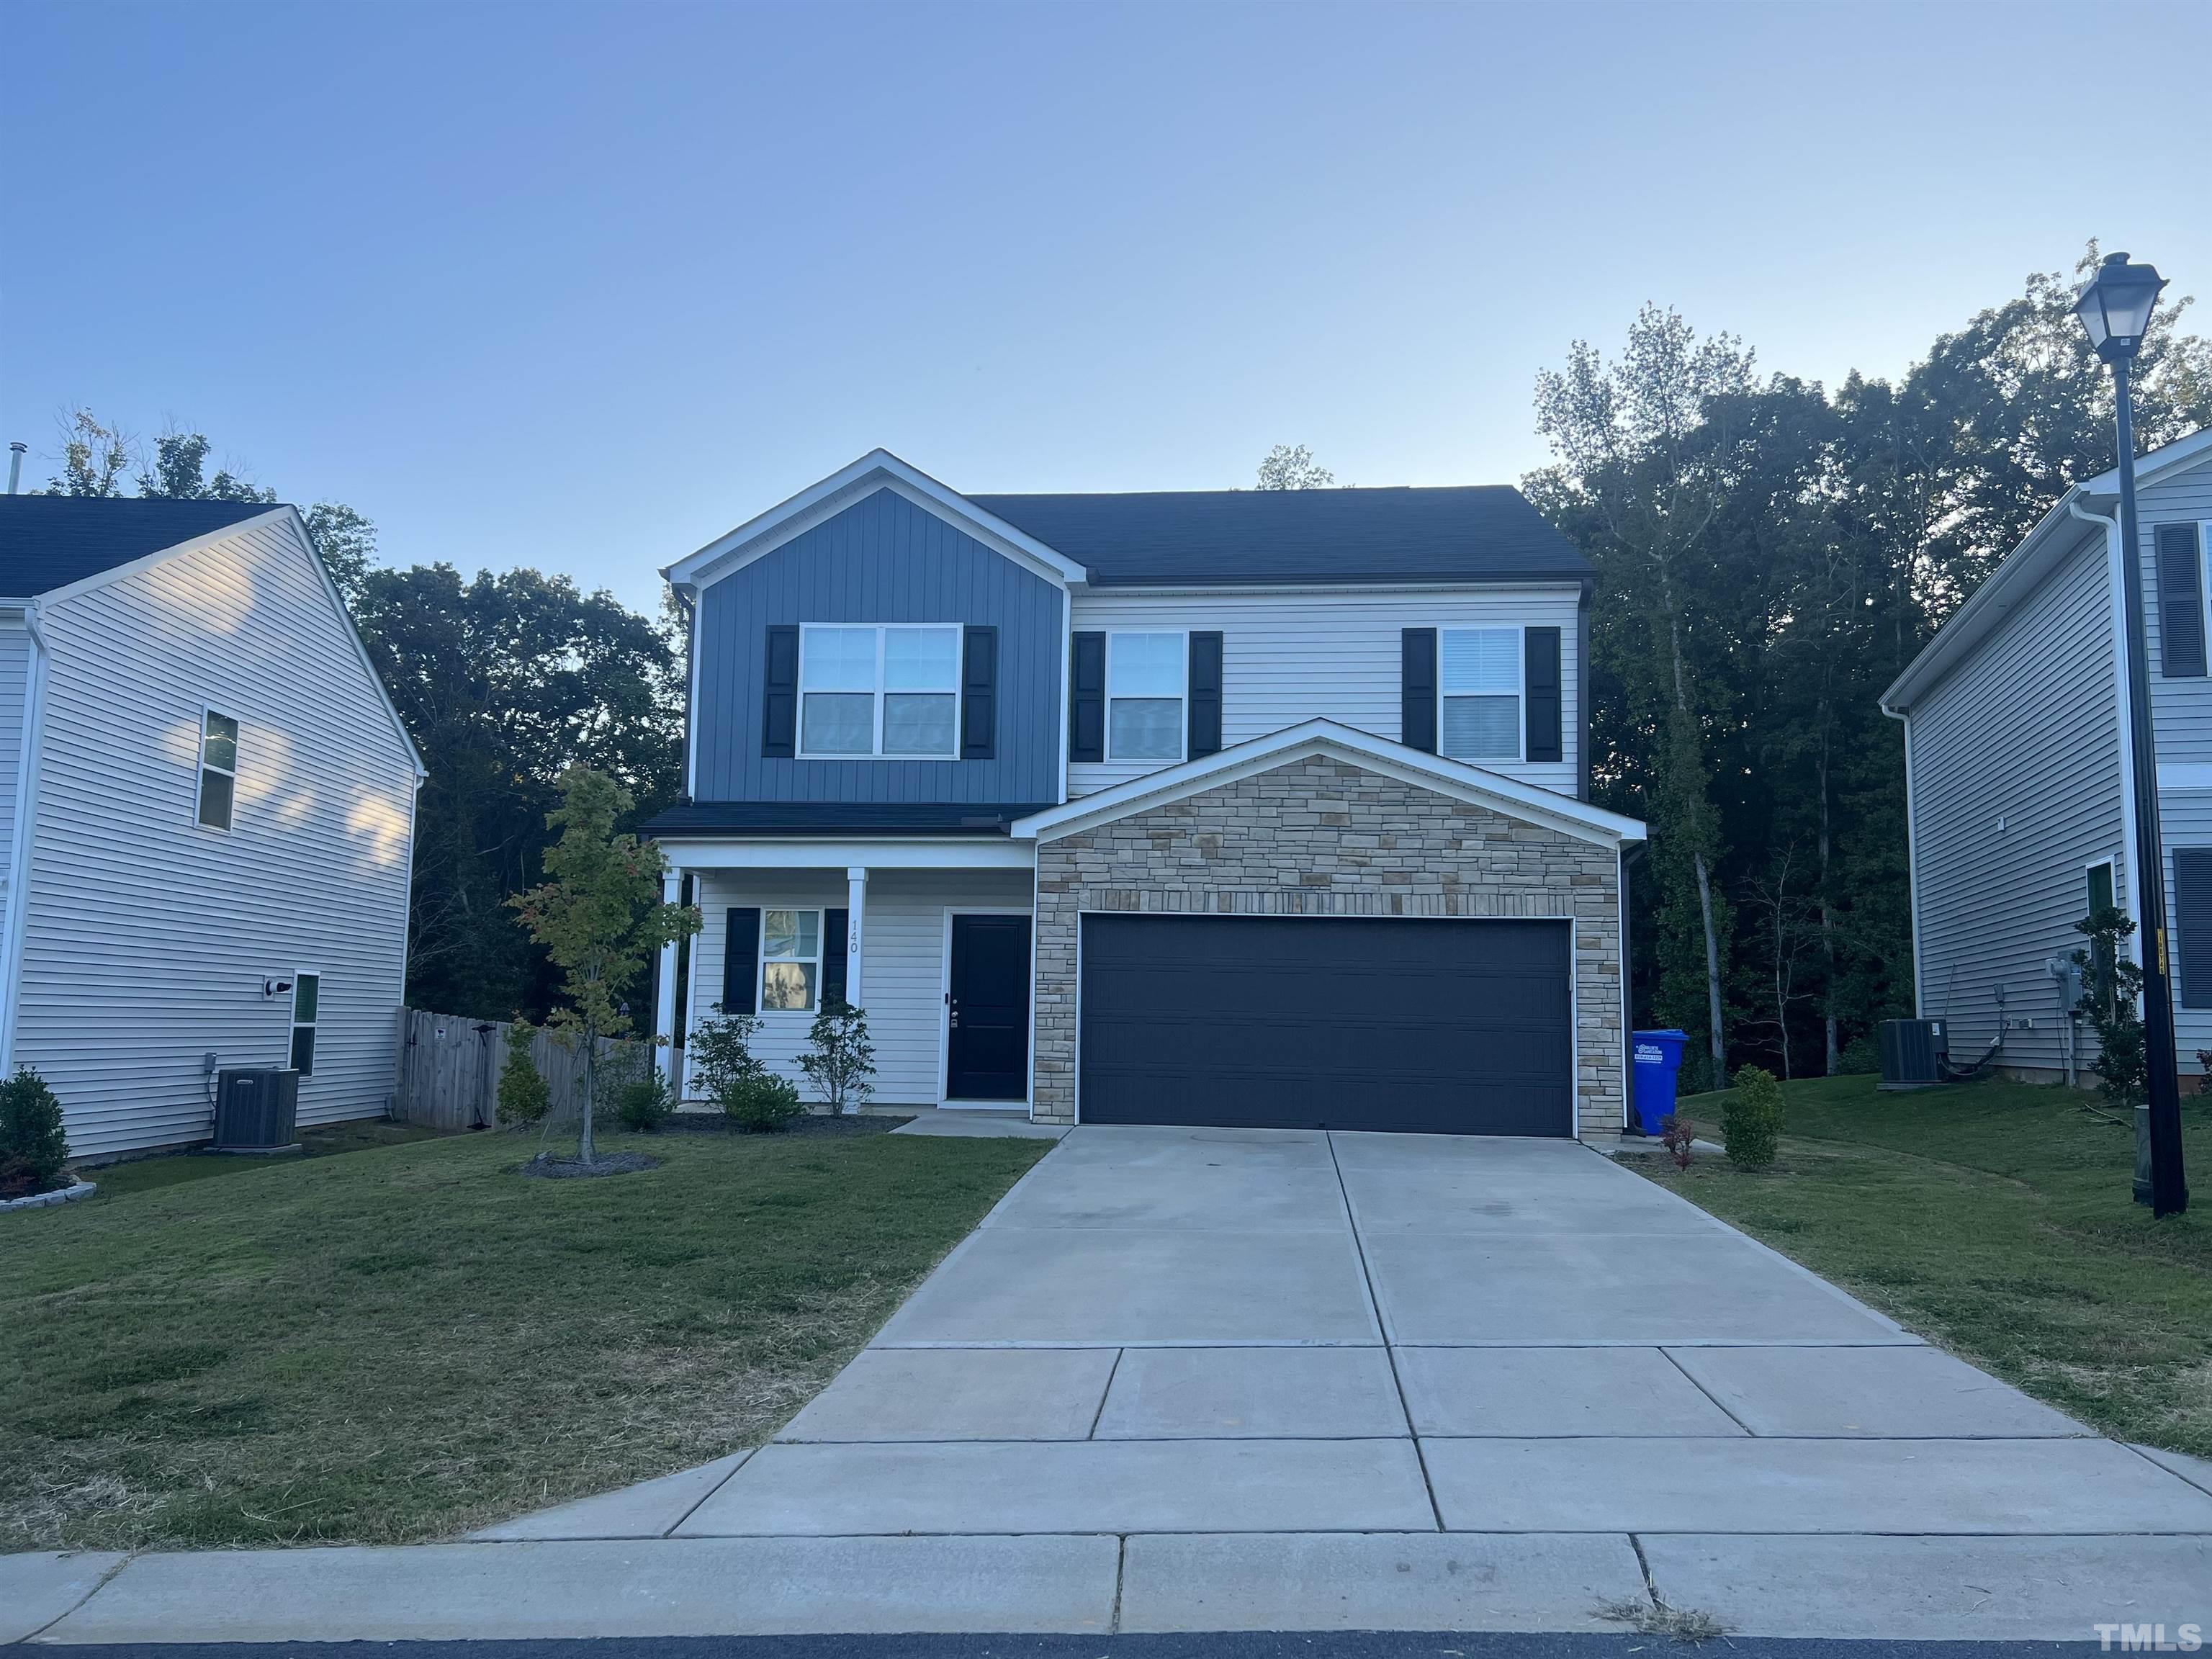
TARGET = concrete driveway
x,y
1193,1379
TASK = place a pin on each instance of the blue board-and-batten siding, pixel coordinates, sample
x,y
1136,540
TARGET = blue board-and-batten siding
x,y
882,560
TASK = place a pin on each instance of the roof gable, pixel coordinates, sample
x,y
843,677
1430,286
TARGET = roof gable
x,y
48,543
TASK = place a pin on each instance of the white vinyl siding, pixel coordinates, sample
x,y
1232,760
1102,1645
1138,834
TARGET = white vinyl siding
x,y
2181,708
1293,656
16,654
2015,793
902,969
2186,815
149,939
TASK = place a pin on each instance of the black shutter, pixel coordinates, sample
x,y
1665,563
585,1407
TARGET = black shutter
x,y
1086,698
741,962
2180,603
780,694
1417,683
1204,695
834,924
1540,671
979,693
2193,909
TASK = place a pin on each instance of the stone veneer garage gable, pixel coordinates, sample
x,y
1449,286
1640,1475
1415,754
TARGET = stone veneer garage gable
x,y
1322,836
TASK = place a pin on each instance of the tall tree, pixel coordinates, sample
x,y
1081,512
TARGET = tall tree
x,y
94,457
1293,467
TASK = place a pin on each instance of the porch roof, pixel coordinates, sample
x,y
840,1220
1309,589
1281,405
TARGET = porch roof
x,y
844,819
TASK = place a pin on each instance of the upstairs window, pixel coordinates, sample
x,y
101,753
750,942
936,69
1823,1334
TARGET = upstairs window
x,y
1145,691
218,769
1478,682
892,691
790,959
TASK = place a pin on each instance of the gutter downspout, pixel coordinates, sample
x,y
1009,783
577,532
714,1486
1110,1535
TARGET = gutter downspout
x,y
2124,890
1904,718
22,833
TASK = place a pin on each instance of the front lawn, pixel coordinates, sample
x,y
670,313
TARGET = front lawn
x,y
410,1340
1993,1218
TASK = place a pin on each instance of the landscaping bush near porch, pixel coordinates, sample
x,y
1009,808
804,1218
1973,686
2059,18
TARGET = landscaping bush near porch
x,y
408,1341
1995,1219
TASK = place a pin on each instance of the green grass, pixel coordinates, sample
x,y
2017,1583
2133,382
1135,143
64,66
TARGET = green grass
x,y
411,1339
1994,1218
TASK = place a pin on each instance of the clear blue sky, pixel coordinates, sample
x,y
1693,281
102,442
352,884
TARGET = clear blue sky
x,y
583,286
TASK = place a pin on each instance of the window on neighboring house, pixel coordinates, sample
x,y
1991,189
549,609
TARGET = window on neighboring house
x,y
790,959
218,769
879,691
1144,676
306,999
2103,979
1478,683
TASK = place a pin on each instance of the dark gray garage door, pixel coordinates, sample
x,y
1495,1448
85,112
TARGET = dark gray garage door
x,y
1440,1027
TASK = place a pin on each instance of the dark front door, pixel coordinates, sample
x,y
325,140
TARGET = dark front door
x,y
987,1012
1435,1027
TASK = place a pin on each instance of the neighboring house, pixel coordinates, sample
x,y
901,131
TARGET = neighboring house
x,y
2018,766
207,803
1234,807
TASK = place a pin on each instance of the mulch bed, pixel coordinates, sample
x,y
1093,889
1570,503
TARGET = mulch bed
x,y
814,1124
545,1164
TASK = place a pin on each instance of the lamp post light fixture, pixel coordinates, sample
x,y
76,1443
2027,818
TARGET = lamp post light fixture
x,y
2115,311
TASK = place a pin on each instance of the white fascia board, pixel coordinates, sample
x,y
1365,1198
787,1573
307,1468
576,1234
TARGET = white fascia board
x,y
2161,464
277,518
1503,590
829,853
1985,607
1473,784
877,469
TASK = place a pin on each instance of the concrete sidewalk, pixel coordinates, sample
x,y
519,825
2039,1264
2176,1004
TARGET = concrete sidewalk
x,y
1207,1380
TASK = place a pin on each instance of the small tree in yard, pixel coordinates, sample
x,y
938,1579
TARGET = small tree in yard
x,y
599,915
839,1059
523,1093
1751,1119
34,1146
2111,1005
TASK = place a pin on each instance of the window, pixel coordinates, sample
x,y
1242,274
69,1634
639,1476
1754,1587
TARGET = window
x,y
790,959
1144,696
218,769
1479,680
879,691
2103,980
307,998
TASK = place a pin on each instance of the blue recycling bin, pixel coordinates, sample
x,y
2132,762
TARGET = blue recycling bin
x,y
1658,1058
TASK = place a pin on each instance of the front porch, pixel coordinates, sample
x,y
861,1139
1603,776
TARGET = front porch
x,y
932,941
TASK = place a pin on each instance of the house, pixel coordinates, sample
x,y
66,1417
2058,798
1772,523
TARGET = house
x,y
1238,807
207,803
2020,780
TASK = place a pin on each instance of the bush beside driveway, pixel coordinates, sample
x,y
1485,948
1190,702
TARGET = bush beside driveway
x,y
410,1341
1994,1218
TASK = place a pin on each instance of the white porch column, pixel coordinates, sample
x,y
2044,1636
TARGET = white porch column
x,y
663,1010
856,904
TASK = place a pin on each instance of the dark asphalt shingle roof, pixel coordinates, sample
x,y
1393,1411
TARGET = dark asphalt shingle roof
x,y
1477,532
770,818
48,542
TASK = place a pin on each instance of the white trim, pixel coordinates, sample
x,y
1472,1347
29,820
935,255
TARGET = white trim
x,y
877,469
1911,871
1526,801
856,931
883,631
1028,1102
31,749
1066,681
1182,697
1519,633
664,990
761,959
837,854
2123,727
691,710
2153,468
208,711
292,1028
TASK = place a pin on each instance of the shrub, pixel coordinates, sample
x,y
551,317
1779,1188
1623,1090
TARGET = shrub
x,y
840,1060
34,1146
1861,1056
523,1093
644,1102
1751,1119
1679,1135
763,1103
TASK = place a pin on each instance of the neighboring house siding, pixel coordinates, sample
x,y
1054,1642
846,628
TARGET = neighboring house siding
x,y
2024,735
903,971
1288,656
146,937
15,653
2180,708
882,560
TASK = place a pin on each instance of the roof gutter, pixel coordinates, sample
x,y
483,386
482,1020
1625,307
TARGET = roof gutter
x,y
22,833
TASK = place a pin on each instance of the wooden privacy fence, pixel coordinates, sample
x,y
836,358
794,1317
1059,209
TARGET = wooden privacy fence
x,y
449,1069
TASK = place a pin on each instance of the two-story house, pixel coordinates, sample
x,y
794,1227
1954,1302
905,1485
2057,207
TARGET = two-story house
x,y
2019,774
1231,807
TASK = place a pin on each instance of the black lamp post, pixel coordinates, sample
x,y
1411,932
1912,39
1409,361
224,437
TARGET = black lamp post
x,y
2115,309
